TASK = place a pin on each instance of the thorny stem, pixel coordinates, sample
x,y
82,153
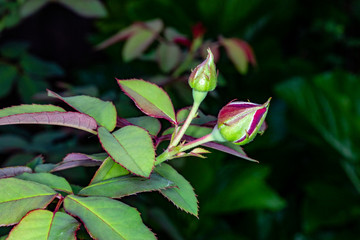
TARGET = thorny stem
x,y
198,98
197,142
61,199
185,126
169,153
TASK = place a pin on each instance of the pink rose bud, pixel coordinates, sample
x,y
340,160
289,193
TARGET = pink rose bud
x,y
204,77
240,122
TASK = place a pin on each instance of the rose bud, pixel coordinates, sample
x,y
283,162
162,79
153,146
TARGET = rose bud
x,y
240,122
204,77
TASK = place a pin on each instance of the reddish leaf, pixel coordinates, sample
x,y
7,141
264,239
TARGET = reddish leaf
x,y
137,44
153,25
103,112
149,98
120,36
239,52
13,171
69,119
226,147
79,159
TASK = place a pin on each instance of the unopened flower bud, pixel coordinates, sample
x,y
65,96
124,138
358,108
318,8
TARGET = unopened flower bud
x,y
240,122
204,77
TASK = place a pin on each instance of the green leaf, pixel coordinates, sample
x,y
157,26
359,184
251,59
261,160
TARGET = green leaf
x,y
329,102
51,180
14,50
27,88
247,190
29,108
183,196
43,224
106,218
108,169
12,142
149,98
137,43
37,67
8,74
125,186
43,168
153,125
103,112
131,147
19,197
168,56
315,213
31,6
86,8
35,162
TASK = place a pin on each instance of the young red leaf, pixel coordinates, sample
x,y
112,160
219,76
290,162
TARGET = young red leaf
x,y
13,171
78,159
68,119
149,98
154,25
103,112
239,52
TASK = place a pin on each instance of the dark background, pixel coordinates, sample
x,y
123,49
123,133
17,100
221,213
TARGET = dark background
x,y
307,184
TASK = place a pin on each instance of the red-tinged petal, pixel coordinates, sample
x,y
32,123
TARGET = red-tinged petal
x,y
254,124
257,118
233,109
239,122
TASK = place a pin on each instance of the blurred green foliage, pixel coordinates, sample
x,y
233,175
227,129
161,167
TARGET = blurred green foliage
x,y
307,185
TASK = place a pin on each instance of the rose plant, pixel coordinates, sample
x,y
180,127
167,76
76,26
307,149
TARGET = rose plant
x,y
131,162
